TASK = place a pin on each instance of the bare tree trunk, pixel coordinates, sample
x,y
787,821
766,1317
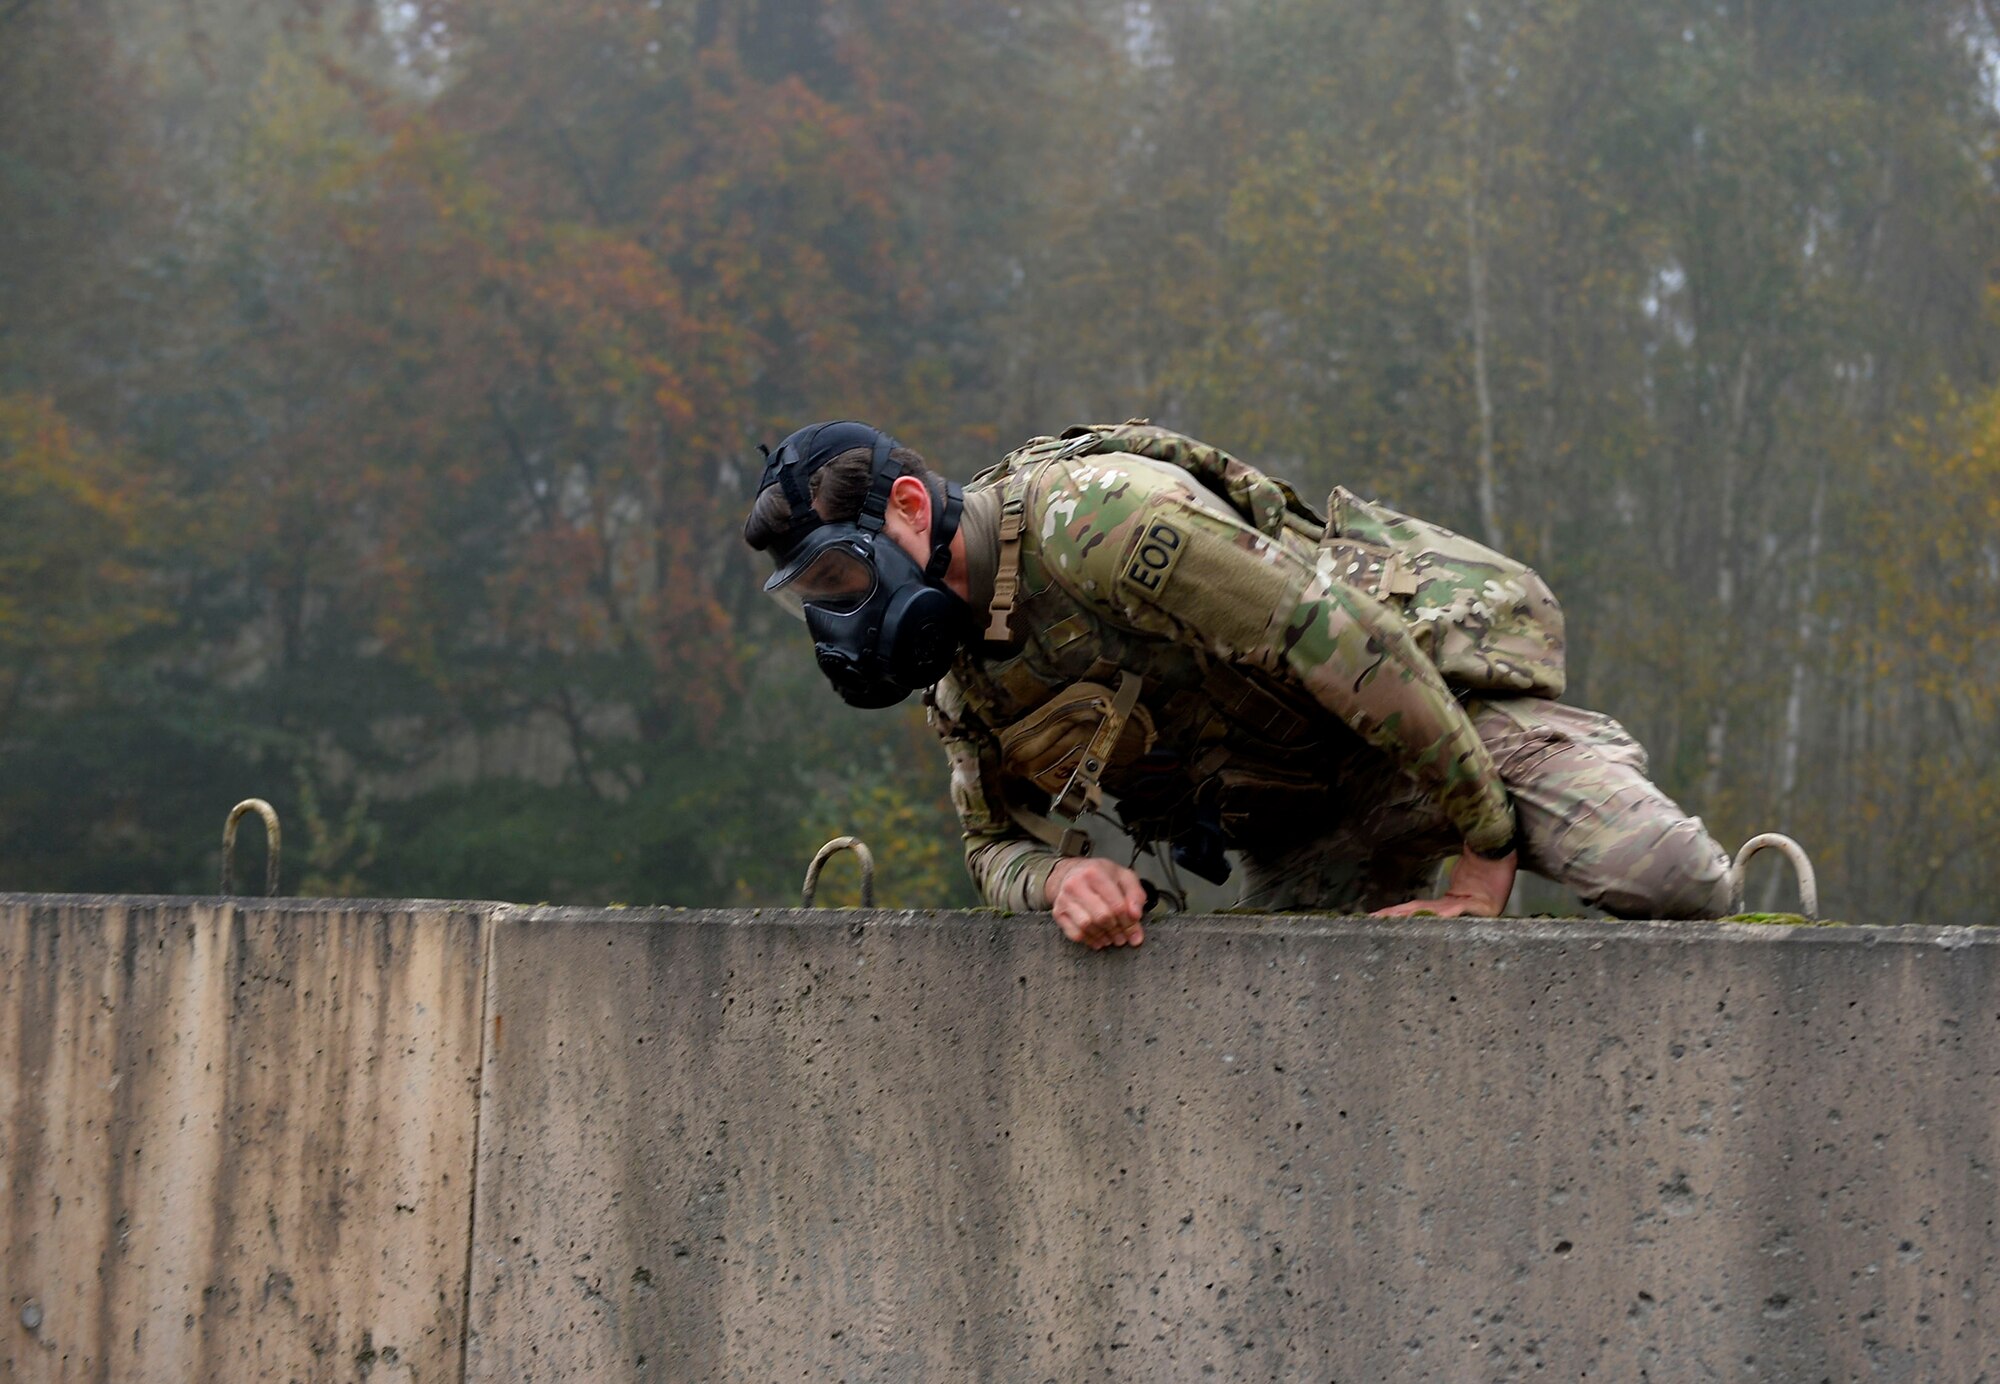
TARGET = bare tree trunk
x,y
15,682
578,740
1793,738
1717,747
1545,469
1475,273
1788,768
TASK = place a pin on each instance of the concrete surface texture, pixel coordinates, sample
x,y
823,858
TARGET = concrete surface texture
x,y
898,1146
237,1141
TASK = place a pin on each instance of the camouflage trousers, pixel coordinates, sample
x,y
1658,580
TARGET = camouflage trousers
x,y
1588,816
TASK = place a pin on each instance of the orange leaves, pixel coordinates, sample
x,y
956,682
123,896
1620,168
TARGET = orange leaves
x,y
548,601
73,527
612,322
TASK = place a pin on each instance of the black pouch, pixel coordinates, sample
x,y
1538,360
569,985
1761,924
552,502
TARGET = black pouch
x,y
1261,804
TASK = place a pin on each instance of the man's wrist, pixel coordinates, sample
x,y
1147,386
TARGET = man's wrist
x,y
1482,883
1052,878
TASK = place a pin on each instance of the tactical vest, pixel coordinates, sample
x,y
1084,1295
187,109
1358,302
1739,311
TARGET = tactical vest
x,y
1488,623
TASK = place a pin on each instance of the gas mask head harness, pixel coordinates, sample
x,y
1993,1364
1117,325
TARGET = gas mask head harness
x,y
882,626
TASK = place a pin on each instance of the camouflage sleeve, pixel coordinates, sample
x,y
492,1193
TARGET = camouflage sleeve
x,y
1009,867
1152,550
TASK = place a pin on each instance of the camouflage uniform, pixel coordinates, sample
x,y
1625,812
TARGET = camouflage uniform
x,y
1289,689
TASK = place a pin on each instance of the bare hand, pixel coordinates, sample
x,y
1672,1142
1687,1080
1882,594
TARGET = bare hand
x,y
1478,889
1097,903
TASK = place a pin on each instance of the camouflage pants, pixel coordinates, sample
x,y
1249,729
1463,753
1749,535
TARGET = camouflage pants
x,y
1589,819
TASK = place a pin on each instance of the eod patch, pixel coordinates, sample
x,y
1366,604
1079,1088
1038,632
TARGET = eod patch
x,y
1153,559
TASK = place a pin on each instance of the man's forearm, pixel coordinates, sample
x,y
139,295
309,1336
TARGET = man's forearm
x,y
1008,867
1011,872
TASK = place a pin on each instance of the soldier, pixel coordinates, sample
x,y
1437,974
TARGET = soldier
x,y
1347,700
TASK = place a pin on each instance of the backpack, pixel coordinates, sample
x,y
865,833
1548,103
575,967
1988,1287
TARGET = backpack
x,y
1489,623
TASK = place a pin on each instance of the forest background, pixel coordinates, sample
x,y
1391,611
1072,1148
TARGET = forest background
x,y
379,385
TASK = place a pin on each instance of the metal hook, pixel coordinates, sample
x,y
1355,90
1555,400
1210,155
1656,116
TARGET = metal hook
x,y
1792,851
271,844
826,853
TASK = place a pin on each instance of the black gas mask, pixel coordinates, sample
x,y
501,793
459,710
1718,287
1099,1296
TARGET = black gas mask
x,y
882,626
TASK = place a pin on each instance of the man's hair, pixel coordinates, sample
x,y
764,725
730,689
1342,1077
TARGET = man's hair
x,y
838,488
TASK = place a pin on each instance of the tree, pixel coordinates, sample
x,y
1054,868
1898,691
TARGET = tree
x,y
73,581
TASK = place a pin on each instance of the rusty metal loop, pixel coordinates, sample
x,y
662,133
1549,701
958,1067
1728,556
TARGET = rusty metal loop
x,y
830,850
271,845
1792,851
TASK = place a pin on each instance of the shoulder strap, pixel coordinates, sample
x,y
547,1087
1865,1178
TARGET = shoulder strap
x,y
1007,577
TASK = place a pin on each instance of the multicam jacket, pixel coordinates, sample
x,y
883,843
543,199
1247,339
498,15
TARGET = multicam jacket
x,y
1266,649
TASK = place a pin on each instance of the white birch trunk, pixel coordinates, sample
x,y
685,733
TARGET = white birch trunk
x,y
1795,700
1475,273
1717,747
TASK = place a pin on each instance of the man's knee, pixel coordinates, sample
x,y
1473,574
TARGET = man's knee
x,y
1682,873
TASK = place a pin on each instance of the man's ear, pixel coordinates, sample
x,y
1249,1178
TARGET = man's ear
x,y
910,501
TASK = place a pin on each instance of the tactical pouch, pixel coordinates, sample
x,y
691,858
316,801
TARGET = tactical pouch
x,y
1047,746
1489,623
1253,705
1254,800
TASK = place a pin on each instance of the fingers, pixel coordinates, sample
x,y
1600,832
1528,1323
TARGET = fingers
x,y
1401,910
1115,932
1099,904
1134,890
1449,906
1093,911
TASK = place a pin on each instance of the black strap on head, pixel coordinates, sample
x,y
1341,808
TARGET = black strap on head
x,y
941,533
799,457
944,518
881,475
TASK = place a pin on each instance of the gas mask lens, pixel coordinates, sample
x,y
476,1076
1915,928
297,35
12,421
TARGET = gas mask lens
x,y
835,579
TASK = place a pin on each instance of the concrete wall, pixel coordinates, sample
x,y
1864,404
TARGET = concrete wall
x,y
892,1146
237,1141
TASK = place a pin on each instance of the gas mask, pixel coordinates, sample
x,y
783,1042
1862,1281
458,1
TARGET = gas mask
x,y
882,626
